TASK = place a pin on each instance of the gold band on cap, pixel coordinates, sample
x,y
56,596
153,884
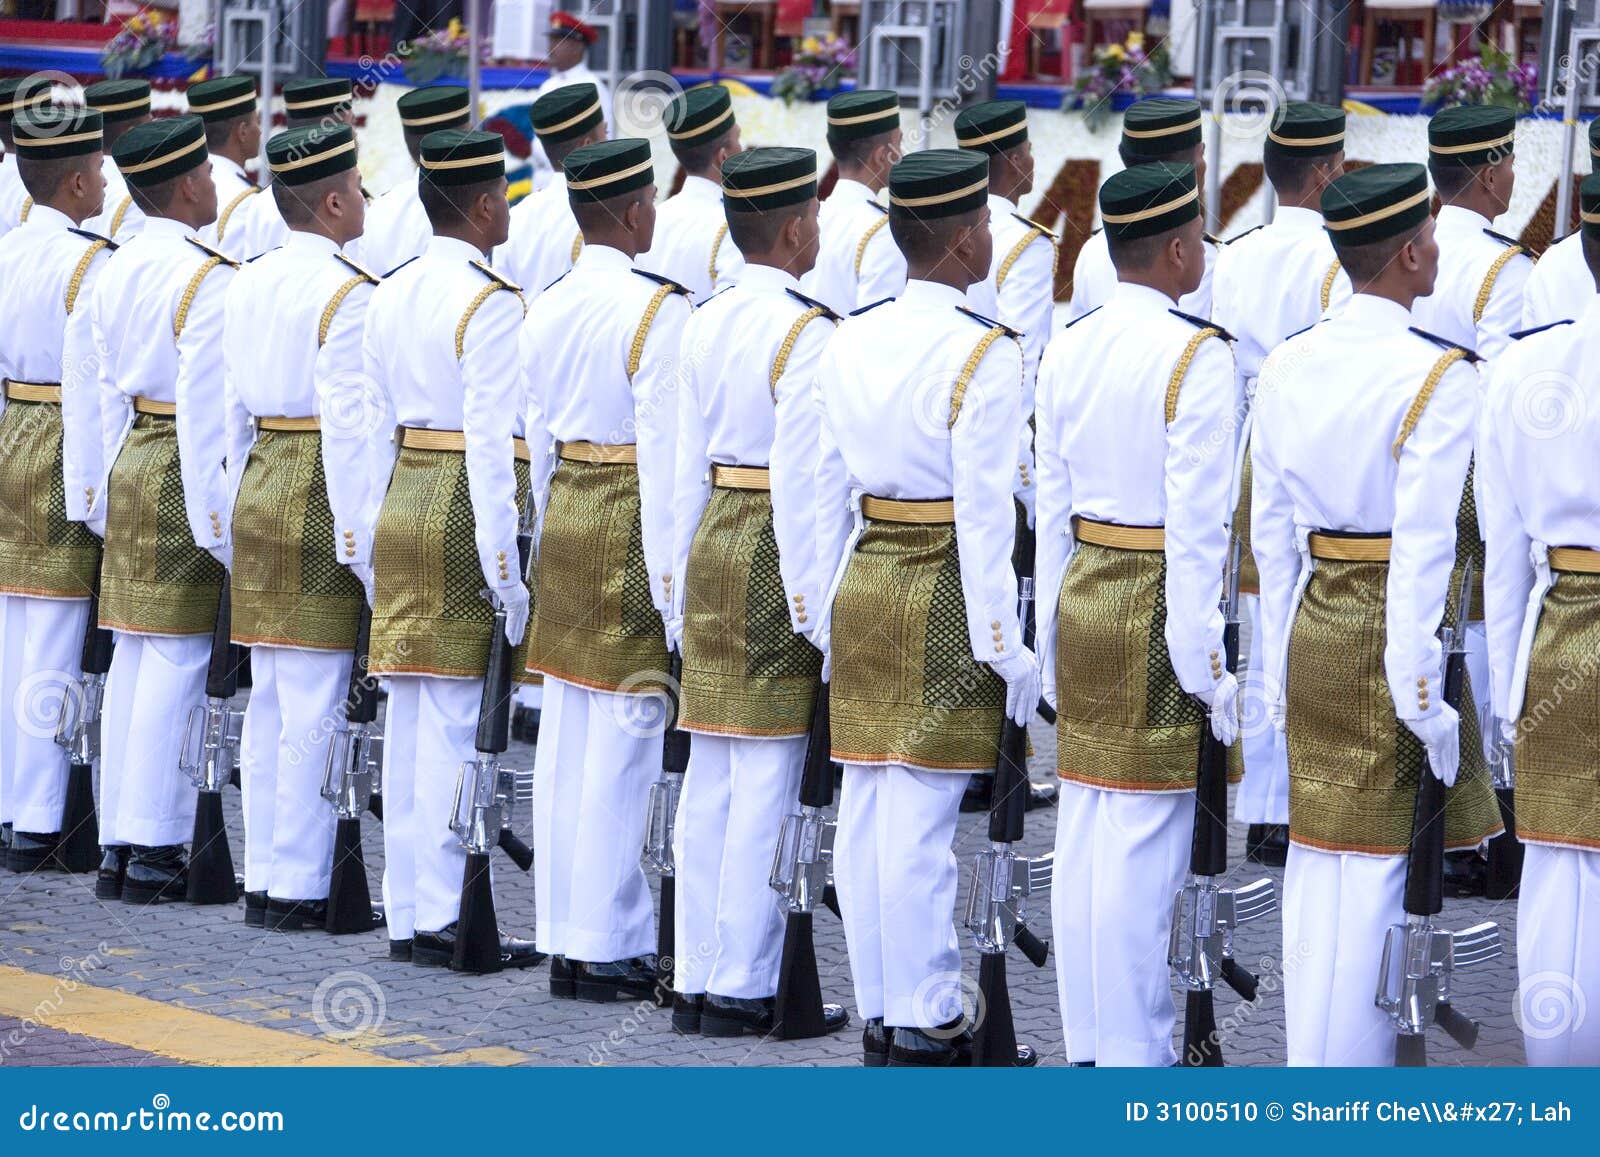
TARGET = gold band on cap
x,y
418,122
142,102
1475,146
41,142
570,121
1154,210
863,118
301,162
26,102
763,190
317,102
1170,131
1589,218
1384,213
242,98
609,178
157,162
989,138
727,114
464,162
938,198
1304,142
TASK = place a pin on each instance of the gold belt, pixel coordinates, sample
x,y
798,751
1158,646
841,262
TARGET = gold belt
x,y
159,409
920,511
625,454
740,477
1351,548
33,391
452,441
1575,559
1119,537
290,425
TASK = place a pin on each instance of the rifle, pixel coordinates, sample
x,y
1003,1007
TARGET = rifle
x,y
209,756
801,865
1506,851
1002,881
487,794
660,825
1204,916
78,732
1418,959
350,782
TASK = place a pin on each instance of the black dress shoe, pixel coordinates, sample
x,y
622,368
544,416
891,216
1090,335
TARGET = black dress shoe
x,y
875,1040
726,1016
928,1049
605,982
30,851
255,909
1080,1064
1267,844
686,1011
295,915
1465,873
563,978
113,868
400,951
435,950
155,875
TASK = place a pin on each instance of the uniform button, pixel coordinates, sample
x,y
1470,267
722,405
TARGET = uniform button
x,y
502,556
349,553
1214,654
1423,682
995,625
799,598
800,618
998,636
999,646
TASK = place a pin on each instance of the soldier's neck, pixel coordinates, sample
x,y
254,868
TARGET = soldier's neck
x,y
469,236
1309,197
1390,290
71,208
1476,199
863,175
940,273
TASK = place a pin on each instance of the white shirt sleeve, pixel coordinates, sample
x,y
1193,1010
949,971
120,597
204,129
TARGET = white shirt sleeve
x,y
536,428
883,270
793,472
1538,307
1027,305
491,392
655,413
201,412
691,488
354,409
1502,313
81,362
238,363
1054,525
1273,532
1508,568
831,489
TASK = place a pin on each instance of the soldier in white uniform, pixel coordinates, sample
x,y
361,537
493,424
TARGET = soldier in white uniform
x,y
16,93
568,64
1158,128
691,243
1271,283
919,412
440,350
1542,583
545,239
1363,430
125,104
227,105
859,263
48,564
157,316
747,551
1561,278
1133,544
397,227
296,594
309,101
601,356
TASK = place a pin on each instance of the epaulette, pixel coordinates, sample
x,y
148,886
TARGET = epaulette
x,y
878,207
88,235
1202,323
1509,242
1050,233
263,253
988,321
810,303
217,253
1307,329
356,268
399,267
1246,233
1215,240
865,308
1101,229
667,281
1081,316
553,283
499,278
1445,343
1522,333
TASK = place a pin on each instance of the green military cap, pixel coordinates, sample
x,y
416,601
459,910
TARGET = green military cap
x,y
1149,199
462,156
49,134
992,126
299,156
20,92
1471,134
699,116
867,112
1375,203
317,97
938,183
566,113
772,178
439,106
158,151
1304,129
608,169
1589,206
1160,126
119,100
222,97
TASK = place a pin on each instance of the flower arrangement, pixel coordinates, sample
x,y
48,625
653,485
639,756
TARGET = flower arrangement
x,y
1495,77
818,68
442,52
142,41
1128,67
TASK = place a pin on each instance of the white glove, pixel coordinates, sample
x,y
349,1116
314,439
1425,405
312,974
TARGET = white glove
x,y
223,554
824,643
674,629
363,572
1021,673
515,601
1440,735
1222,698
1025,495
1508,731
1278,714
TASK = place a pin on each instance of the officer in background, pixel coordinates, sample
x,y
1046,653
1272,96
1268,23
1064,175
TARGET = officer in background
x,y
691,243
567,60
227,105
125,105
1560,279
397,227
858,263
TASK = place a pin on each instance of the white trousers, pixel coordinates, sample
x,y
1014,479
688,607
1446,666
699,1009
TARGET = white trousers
x,y
1337,910
1120,859
896,876
592,777
729,929
296,700
41,641
1558,956
154,683
1263,796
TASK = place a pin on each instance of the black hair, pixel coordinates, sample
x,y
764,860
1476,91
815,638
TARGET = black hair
x,y
596,216
218,132
856,150
1289,172
1366,263
43,177
447,205
758,232
925,242
299,204
1188,156
1451,180
698,158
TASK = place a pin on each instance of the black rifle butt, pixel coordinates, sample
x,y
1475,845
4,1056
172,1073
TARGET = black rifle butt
x,y
816,776
349,898
797,1014
1202,1044
994,1036
222,672
1505,853
477,947
1410,1052
666,941
1010,800
211,879
78,850
362,704
830,900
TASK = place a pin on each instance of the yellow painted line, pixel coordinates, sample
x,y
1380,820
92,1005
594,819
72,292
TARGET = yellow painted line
x,y
167,1030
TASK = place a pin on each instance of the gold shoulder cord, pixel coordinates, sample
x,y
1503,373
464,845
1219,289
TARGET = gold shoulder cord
x,y
636,351
780,362
1487,287
1175,382
1420,402
964,379
1016,253
866,238
82,271
577,246
716,247
122,211
189,291
1328,279
338,299
484,295
227,212
27,207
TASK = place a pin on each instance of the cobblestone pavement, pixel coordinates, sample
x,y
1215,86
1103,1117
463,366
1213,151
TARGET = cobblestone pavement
x,y
345,988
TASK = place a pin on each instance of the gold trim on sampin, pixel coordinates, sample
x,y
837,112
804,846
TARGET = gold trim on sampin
x,y
33,391
597,454
1342,548
290,425
740,477
1119,537
451,441
927,512
157,409
1575,559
